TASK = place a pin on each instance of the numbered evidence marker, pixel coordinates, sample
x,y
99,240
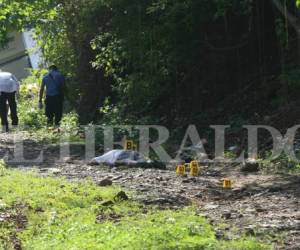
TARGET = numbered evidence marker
x,y
129,145
180,170
194,168
227,184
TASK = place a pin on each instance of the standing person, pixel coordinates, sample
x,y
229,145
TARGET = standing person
x,y
54,83
9,86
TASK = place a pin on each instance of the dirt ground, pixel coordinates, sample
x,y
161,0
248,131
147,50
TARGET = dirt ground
x,y
260,205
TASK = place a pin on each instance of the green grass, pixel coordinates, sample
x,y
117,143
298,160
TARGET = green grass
x,y
33,122
63,215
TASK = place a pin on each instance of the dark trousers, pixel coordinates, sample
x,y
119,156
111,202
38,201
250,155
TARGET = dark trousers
x,y
11,99
54,109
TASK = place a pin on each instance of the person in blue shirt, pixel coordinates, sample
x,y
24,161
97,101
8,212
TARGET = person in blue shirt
x,y
54,82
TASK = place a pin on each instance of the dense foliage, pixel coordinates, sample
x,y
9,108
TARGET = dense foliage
x,y
166,61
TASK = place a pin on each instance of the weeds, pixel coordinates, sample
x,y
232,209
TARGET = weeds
x,y
32,119
65,215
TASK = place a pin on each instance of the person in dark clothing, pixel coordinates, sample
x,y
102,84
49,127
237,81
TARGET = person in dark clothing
x,y
9,98
54,82
9,86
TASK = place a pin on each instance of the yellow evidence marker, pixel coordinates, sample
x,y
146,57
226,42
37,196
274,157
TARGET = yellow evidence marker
x,y
227,183
129,145
194,168
180,170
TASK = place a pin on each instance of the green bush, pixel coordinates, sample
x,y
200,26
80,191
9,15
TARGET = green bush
x,y
33,120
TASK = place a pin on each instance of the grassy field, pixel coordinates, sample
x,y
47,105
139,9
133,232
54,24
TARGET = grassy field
x,y
52,213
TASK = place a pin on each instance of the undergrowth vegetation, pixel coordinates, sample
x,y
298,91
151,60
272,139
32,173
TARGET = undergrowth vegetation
x,y
281,164
33,120
33,123
51,213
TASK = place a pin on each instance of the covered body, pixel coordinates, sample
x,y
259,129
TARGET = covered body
x,y
119,157
115,157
